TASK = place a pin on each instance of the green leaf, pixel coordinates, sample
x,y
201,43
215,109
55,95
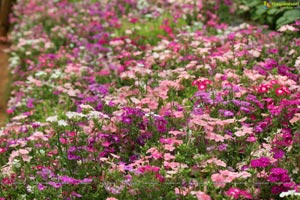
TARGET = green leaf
x,y
254,3
272,11
270,19
288,17
292,14
259,13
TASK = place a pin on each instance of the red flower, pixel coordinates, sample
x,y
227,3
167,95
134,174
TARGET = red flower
x,y
2,150
280,91
262,89
201,86
207,82
195,82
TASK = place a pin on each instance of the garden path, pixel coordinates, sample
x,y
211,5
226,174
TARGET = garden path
x,y
4,77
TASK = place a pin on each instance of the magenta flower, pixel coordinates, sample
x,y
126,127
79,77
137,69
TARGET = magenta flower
x,y
260,162
277,189
55,185
279,175
237,193
161,124
41,186
278,153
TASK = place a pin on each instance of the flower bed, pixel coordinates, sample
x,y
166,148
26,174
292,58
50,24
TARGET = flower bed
x,y
129,100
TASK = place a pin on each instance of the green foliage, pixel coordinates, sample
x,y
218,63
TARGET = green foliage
x,y
147,31
272,15
288,17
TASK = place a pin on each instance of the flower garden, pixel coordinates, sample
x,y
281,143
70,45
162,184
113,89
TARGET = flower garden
x,y
132,99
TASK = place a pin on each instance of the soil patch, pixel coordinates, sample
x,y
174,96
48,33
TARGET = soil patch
x,y
4,78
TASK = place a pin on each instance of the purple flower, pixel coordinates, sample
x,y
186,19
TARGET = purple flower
x,y
260,162
198,111
226,113
161,124
23,129
68,180
35,125
98,89
30,103
55,185
278,153
244,167
278,189
270,64
99,106
228,132
41,186
222,147
244,109
72,152
126,120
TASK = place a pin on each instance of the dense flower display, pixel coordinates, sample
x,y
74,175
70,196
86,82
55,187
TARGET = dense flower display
x,y
149,99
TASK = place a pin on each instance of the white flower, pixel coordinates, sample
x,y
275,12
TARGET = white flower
x,y
62,123
141,4
74,115
295,170
40,73
289,193
96,114
16,163
29,188
56,74
42,152
86,107
52,119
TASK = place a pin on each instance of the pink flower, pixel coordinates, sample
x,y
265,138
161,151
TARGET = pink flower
x,y
216,162
201,195
214,137
195,82
168,156
237,193
169,147
155,153
181,191
175,133
251,139
111,198
273,82
63,140
9,111
285,28
218,180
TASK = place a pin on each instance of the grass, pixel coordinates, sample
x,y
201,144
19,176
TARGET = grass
x,y
148,31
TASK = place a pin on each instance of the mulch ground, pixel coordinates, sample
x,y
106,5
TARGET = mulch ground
x,y
4,77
